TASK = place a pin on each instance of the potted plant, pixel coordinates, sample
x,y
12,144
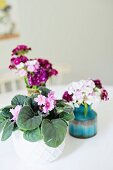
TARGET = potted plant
x,y
83,95
35,72
38,124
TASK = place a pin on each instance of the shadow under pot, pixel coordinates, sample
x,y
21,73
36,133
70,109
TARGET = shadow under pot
x,y
84,124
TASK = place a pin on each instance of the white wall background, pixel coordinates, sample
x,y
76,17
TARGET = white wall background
x,y
74,33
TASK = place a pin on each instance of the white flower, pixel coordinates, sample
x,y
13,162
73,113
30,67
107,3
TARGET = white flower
x,y
31,62
90,83
22,73
31,68
87,90
20,66
89,100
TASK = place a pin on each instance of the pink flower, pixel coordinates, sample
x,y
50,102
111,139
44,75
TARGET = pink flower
x,y
40,100
49,105
15,112
37,65
22,73
31,68
51,95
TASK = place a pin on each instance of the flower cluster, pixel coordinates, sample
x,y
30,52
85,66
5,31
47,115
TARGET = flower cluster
x,y
46,104
85,92
36,71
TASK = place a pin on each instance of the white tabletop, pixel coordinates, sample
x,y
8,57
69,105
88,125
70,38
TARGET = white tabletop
x,y
81,154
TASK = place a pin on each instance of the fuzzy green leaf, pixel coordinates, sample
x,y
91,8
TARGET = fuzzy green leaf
x,y
2,125
5,112
33,135
31,103
18,100
54,132
26,119
44,90
7,131
67,116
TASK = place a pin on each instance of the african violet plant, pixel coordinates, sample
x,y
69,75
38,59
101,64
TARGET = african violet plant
x,y
38,117
35,72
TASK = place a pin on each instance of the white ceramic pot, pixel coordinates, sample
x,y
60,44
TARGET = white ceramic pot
x,y
35,153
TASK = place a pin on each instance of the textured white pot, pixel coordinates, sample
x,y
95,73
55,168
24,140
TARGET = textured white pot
x,y
35,153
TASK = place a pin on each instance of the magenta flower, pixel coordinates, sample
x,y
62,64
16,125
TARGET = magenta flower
x,y
17,60
20,48
40,100
104,95
49,105
15,112
11,67
45,64
67,96
53,72
98,83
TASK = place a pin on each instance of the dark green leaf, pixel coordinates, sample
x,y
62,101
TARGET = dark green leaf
x,y
60,103
2,118
2,123
67,116
6,111
30,102
33,135
59,110
44,90
54,132
18,100
7,131
26,119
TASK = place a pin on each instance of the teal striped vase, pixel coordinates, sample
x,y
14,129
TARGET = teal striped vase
x,y
83,125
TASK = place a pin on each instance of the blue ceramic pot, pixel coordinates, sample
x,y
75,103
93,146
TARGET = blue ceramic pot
x,y
83,125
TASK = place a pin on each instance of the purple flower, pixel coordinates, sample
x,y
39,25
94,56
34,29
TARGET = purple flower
x,y
24,59
45,64
98,83
104,95
38,78
67,96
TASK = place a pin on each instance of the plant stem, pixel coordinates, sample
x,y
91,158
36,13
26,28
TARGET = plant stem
x,y
26,82
85,109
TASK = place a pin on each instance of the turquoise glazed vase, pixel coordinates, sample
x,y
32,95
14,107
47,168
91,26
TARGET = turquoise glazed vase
x,y
84,124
